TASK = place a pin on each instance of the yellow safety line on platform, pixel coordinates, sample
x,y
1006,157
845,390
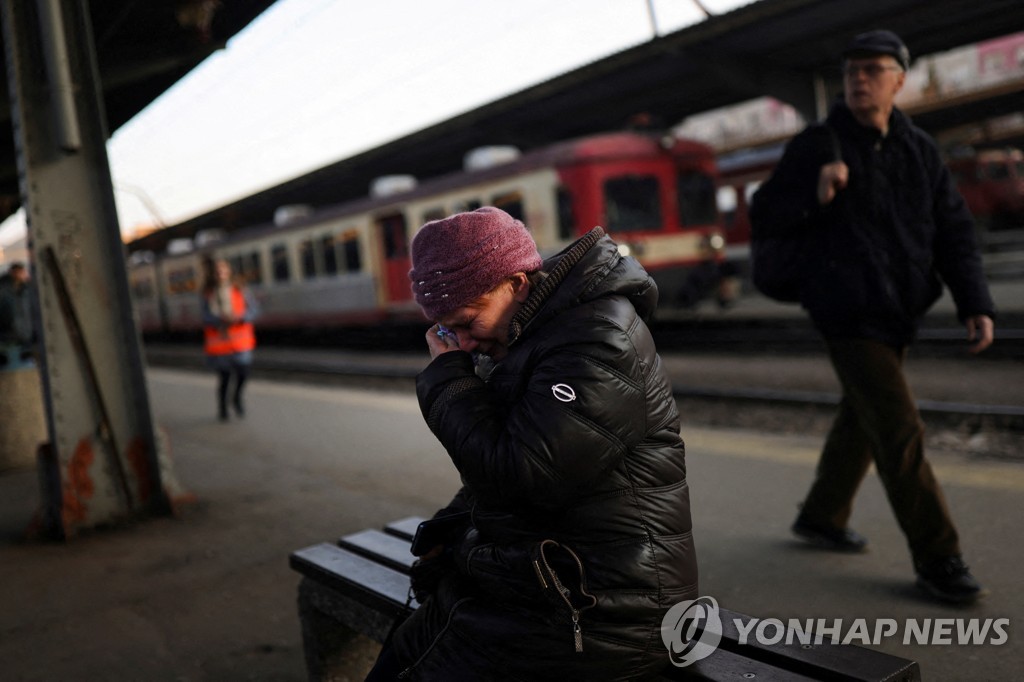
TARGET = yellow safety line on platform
x,y
802,451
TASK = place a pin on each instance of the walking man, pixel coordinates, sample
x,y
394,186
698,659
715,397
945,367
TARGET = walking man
x,y
883,227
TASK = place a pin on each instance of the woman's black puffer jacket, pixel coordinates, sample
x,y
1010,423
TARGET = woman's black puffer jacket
x,y
574,470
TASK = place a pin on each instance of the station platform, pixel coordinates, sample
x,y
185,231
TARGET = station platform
x,y
208,595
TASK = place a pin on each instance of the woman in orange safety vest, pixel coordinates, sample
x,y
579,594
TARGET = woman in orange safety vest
x,y
228,311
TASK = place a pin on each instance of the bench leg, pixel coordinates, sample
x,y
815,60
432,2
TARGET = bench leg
x,y
332,650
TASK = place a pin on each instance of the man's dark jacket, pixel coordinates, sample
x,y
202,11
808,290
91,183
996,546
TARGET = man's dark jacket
x,y
878,253
572,438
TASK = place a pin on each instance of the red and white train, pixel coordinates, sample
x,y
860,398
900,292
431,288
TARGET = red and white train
x,y
347,265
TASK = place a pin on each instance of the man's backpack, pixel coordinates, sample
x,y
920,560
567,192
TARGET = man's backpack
x,y
778,263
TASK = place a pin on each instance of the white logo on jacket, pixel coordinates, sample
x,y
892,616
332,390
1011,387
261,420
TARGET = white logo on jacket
x,y
564,392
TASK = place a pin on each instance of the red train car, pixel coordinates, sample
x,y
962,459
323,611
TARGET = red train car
x,y
992,182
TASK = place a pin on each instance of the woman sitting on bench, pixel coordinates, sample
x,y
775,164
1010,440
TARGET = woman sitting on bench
x,y
547,392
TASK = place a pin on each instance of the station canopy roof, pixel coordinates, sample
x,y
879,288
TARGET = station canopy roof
x,y
770,47
143,47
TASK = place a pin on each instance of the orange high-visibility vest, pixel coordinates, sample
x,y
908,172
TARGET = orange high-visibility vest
x,y
233,338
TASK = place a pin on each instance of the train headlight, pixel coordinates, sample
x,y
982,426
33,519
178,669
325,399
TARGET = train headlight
x,y
625,251
716,242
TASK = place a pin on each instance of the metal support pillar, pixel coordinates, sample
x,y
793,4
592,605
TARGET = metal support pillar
x,y
101,464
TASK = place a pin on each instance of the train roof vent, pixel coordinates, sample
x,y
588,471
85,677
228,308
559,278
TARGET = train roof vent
x,y
141,257
488,157
179,246
290,213
209,236
390,185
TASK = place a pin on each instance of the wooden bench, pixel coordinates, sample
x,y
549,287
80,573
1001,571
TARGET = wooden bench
x,y
361,584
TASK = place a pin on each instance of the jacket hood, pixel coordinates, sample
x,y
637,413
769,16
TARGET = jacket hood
x,y
588,269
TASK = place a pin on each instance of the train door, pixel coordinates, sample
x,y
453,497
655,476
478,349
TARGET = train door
x,y
394,242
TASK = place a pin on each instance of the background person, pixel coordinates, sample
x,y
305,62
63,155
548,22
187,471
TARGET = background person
x,y
229,335
884,227
17,334
566,436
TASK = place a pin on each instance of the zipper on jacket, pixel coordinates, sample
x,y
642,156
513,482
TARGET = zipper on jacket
x,y
563,591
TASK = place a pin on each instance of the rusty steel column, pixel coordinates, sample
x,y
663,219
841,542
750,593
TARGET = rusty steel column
x,y
102,463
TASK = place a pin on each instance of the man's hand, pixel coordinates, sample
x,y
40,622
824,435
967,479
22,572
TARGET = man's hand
x,y
832,178
980,330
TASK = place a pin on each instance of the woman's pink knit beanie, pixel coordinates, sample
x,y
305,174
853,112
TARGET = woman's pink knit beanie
x,y
457,259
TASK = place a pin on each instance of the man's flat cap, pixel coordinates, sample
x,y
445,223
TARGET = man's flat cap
x,y
879,42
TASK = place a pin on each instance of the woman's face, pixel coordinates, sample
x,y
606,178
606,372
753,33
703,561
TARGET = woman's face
x,y
482,326
223,269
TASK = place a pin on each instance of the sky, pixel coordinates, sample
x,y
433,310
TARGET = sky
x,y
311,82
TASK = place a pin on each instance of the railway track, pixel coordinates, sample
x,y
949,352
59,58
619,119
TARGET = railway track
x,y
717,385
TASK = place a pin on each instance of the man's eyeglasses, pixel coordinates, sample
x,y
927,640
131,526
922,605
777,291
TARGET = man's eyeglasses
x,y
869,70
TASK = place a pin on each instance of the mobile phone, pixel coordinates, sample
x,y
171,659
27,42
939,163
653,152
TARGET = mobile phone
x,y
439,530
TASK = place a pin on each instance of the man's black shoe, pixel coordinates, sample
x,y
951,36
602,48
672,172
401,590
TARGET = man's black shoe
x,y
829,537
950,580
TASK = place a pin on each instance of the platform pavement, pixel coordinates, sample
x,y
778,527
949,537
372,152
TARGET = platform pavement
x,y
209,595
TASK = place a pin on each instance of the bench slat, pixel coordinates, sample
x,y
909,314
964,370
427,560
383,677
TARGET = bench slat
x,y
726,665
368,581
385,548
404,528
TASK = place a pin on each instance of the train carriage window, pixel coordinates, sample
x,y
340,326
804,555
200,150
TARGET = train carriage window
x,y
279,262
566,215
467,205
696,194
142,289
353,256
330,250
182,280
631,203
254,268
433,214
511,203
307,256
997,171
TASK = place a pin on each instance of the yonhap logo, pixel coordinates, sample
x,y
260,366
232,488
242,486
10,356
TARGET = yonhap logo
x,y
691,630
